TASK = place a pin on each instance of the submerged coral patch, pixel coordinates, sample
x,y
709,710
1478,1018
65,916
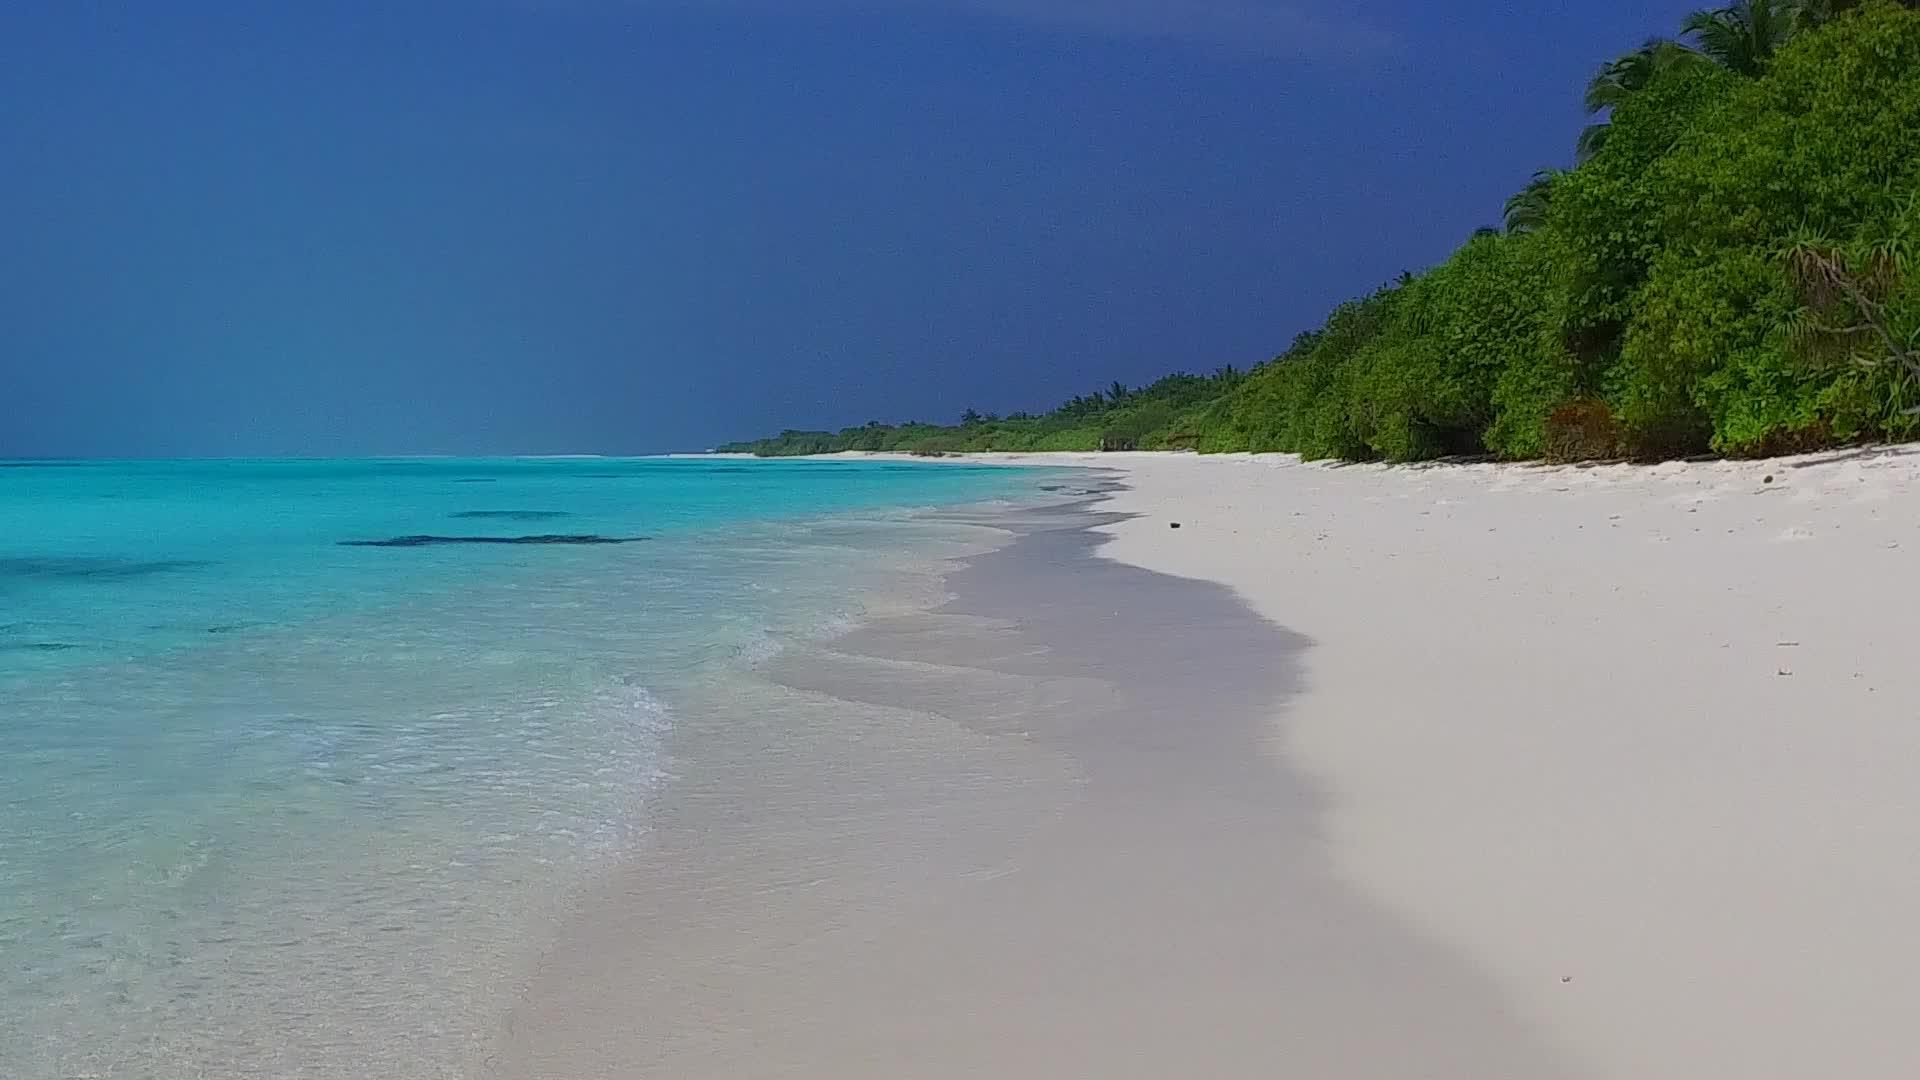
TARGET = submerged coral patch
x,y
577,539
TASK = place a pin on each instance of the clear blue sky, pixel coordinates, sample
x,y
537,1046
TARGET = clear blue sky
x,y
639,225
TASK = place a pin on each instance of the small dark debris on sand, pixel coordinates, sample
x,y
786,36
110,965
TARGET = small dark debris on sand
x,y
574,540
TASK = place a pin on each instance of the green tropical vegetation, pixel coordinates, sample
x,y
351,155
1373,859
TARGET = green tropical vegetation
x,y
1730,267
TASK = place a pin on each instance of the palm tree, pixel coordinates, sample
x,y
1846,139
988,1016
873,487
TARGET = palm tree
x,y
1625,77
1527,210
1633,72
1743,36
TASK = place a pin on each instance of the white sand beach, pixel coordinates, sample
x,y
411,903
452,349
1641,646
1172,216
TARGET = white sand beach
x,y
1453,772
1643,743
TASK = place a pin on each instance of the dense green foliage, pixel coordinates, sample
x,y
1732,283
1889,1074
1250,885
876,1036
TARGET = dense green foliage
x,y
1164,416
1730,268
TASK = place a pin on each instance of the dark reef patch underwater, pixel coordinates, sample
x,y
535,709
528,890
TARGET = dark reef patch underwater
x,y
510,515
72,568
577,540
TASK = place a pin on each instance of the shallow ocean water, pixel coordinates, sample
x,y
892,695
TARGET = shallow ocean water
x,y
277,805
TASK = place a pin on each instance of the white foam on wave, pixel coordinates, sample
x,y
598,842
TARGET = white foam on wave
x,y
837,626
762,644
643,722
359,817
361,837
759,646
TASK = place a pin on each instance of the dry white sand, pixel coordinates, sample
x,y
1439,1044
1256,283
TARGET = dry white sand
x,y
1642,743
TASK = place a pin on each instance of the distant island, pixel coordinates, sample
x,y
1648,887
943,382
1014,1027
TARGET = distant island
x,y
1732,267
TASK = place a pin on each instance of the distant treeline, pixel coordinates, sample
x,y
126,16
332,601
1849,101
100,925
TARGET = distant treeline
x,y
1731,267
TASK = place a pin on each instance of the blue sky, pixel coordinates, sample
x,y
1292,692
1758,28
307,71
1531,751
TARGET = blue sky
x,y
530,226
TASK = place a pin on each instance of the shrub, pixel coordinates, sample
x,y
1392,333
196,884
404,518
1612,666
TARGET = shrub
x,y
1581,430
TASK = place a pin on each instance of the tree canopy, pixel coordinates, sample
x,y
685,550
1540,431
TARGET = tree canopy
x,y
1731,267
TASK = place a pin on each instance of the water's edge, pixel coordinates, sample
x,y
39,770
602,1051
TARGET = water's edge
x,y
1026,818
324,841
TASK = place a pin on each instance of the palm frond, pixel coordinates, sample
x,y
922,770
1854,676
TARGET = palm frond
x,y
1844,294
1527,209
1743,36
1627,75
1592,138
1619,80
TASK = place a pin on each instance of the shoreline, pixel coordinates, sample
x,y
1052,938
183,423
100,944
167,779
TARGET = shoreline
x,y
1605,771
1118,459
1026,822
281,806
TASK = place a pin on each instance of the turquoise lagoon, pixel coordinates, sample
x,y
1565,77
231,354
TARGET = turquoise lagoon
x,y
275,803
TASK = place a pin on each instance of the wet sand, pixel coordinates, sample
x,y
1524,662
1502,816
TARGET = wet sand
x,y
1033,818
